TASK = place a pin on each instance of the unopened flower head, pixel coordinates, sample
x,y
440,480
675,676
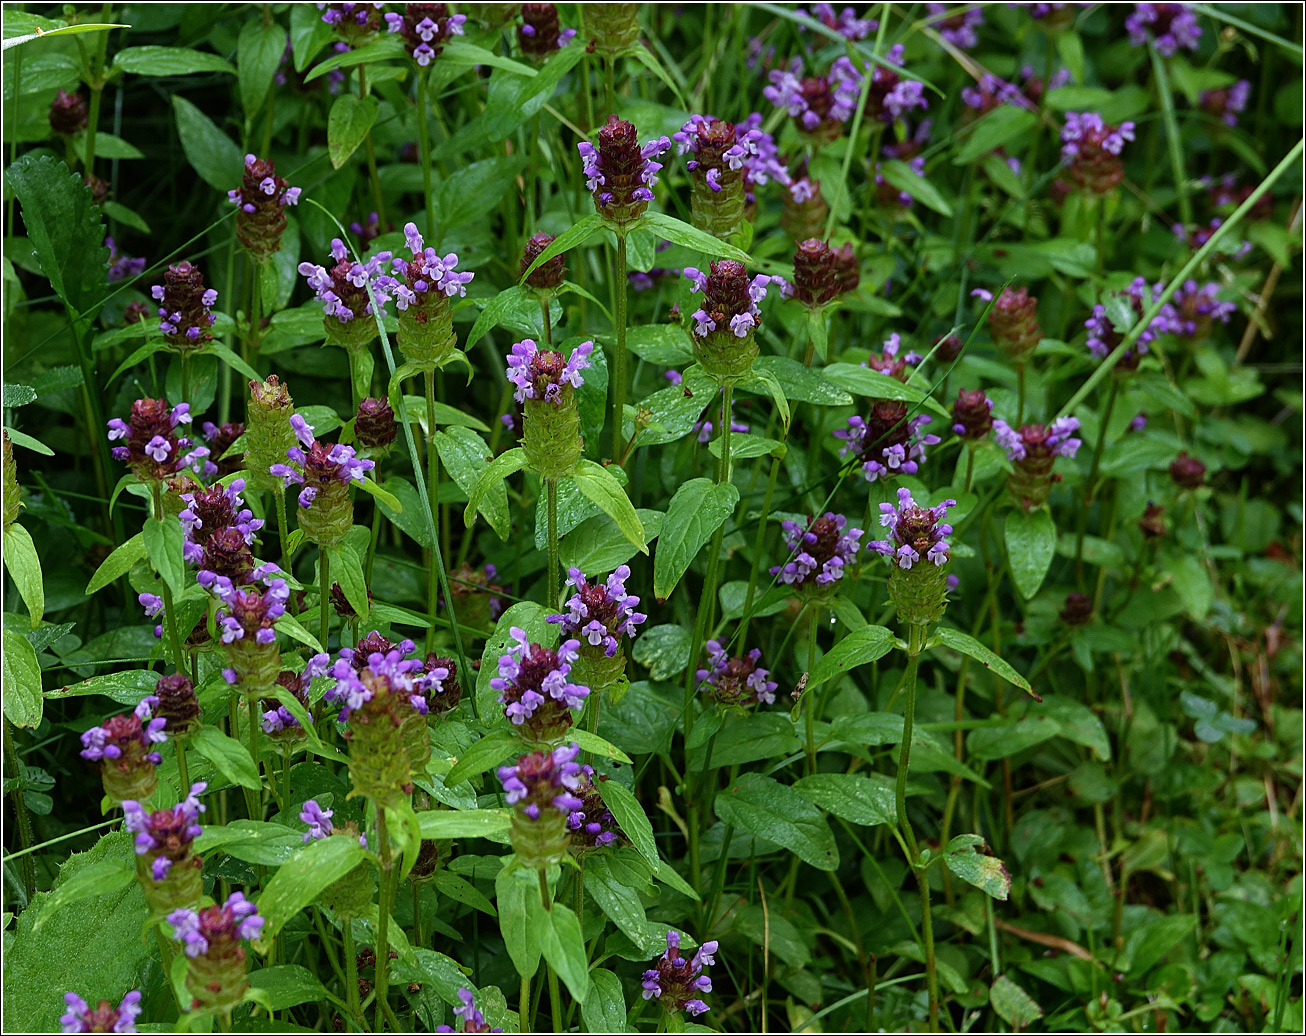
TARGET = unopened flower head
x,y
1170,28
676,982
149,441
425,28
818,104
185,307
1013,322
1091,149
269,435
476,594
549,275
79,1016
68,113
262,198
539,34
164,836
613,28
374,424
535,686
343,291
1187,471
816,273
177,704
600,613
469,1018
972,414
619,172
734,680
886,442
819,552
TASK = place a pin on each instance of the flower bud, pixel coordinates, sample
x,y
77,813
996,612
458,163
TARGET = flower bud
x,y
1187,472
184,308
269,435
816,277
374,424
805,210
917,545
1153,524
619,172
124,748
12,493
168,873
261,201
539,34
68,113
546,387
847,270
547,277
1078,610
612,27
542,789
474,595
972,414
211,940
1032,450
535,688
99,188
948,348
177,703
1013,323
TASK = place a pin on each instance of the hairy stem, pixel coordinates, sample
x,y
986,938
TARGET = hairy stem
x,y
433,482
619,374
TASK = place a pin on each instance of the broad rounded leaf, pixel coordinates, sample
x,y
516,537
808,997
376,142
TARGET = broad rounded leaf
x,y
301,879
764,807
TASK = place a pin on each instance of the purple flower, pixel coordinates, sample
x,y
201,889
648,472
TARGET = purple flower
x,y
249,611
887,442
1034,441
105,1018
1091,149
819,553
385,670
736,680
1196,306
127,736
916,533
215,928
544,373
1103,336
317,819
343,288
165,834
184,313
1169,26
472,1019
619,172
887,361
600,614
122,267
730,298
1224,104
592,824
426,273
846,22
957,27
544,780
425,29
676,981
818,104
209,511
721,149
891,97
534,685
151,447
319,464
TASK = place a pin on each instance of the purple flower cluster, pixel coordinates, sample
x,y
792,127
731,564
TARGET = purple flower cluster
x,y
753,150
426,272
150,444
544,780
620,173
592,824
127,734
1086,132
273,188
818,553
676,981
122,267
845,22
817,103
236,919
530,676
317,819
1196,306
425,29
343,288
105,1018
351,16
957,26
319,464
915,532
1056,440
747,317
539,33
736,680
355,687
167,832
1169,26
600,613
1224,104
209,512
887,361
542,373
890,96
887,442
249,611
472,1019
185,314
279,719
1103,336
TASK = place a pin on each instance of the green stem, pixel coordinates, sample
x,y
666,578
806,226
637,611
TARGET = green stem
x,y
524,1005
424,149
97,91
324,594
183,771
23,817
370,154
255,797
551,492
555,999
351,969
1091,490
609,70
169,612
283,534
185,377
548,326
433,490
619,375
383,922
809,698
1162,74
371,542
758,545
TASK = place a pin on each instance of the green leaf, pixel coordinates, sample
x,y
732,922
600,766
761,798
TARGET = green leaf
x,y
525,615
691,237
228,756
1013,1005
596,546
96,880
301,879
564,949
466,823
461,53
764,807
379,50
168,61
699,507
505,464
517,896
347,569
1153,939
117,564
18,395
210,152
466,456
474,190
596,745
632,819
968,645
64,227
858,648
774,389
968,857
1192,583
663,649
646,58
990,743
1031,539
1002,125
573,237
233,361
902,176
604,1010
620,904
26,441
381,493
862,381
22,681
293,628
126,688
253,841
24,567
495,310
463,891
63,30
854,798
287,985
83,950
258,54
349,122
602,487
163,546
